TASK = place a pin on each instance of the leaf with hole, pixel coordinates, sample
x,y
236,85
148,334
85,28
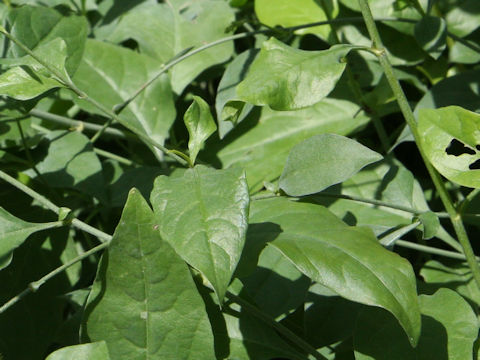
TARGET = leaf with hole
x,y
450,138
144,303
286,78
204,215
322,161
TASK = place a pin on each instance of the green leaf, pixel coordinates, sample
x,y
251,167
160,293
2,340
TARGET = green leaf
x,y
91,351
13,232
317,243
445,334
464,18
266,140
111,74
200,125
321,161
204,215
430,223
287,79
166,29
287,13
230,110
68,161
431,35
450,138
38,25
144,303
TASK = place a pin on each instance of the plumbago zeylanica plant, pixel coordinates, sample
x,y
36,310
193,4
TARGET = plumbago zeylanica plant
x,y
251,161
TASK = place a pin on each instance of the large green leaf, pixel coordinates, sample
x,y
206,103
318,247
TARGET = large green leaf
x,y
446,334
200,125
288,13
323,160
111,74
286,78
144,303
450,138
166,29
13,232
68,161
464,17
204,215
348,260
265,141
91,351
35,25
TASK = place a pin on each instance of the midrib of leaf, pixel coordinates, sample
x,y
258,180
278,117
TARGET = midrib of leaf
x,y
344,252
203,213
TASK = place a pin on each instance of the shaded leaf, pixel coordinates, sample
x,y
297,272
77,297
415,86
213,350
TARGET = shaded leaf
x,y
431,35
287,79
445,334
430,223
347,260
144,303
13,232
91,351
463,18
111,74
321,161
204,215
450,138
200,125
163,30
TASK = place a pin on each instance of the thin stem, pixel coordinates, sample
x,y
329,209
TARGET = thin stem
x,y
277,326
34,286
100,131
112,156
71,123
432,250
410,119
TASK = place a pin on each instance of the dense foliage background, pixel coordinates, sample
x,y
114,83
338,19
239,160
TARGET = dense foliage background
x,y
201,179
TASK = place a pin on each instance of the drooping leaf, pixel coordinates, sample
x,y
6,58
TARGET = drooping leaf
x,y
144,303
36,25
431,35
287,79
163,30
91,351
287,13
266,140
348,260
445,334
230,110
111,74
200,125
321,161
204,216
13,232
450,138
68,161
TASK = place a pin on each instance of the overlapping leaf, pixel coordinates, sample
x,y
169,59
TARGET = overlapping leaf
x,y
348,260
91,351
204,215
144,303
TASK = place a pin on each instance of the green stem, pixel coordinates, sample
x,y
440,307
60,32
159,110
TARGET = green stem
x,y
51,206
455,217
277,326
34,286
71,123
109,155
432,250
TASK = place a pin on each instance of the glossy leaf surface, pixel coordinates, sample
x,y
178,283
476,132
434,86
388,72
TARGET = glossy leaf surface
x,y
285,78
450,138
322,161
200,125
204,215
144,303
348,260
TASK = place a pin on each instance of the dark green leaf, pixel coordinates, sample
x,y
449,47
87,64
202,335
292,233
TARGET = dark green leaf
x,y
204,215
322,161
431,35
287,79
144,303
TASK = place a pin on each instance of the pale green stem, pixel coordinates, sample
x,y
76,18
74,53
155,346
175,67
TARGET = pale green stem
x,y
432,250
109,155
277,326
410,119
34,286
